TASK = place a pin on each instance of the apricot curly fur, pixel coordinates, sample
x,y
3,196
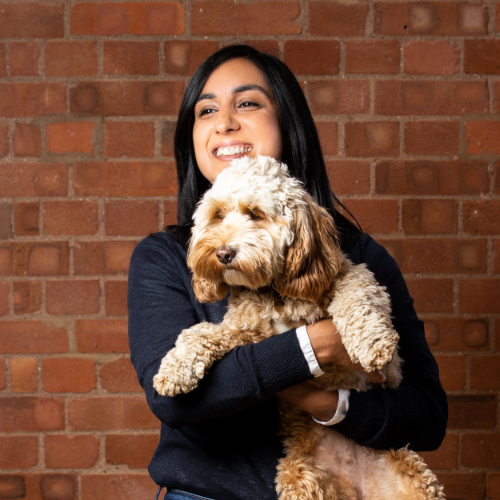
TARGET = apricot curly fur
x,y
289,271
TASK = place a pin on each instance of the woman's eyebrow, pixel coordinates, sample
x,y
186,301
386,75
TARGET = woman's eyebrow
x,y
237,90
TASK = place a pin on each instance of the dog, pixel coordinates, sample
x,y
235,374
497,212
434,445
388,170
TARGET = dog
x,y
260,235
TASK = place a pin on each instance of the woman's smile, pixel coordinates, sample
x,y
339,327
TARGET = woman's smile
x,y
235,116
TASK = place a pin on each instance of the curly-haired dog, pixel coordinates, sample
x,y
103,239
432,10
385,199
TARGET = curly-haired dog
x,y
258,233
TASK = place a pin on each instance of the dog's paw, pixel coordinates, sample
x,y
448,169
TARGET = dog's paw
x,y
377,356
177,376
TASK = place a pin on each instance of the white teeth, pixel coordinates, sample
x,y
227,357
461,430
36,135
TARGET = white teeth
x,y
233,150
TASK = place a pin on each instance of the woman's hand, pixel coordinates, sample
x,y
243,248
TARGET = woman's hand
x,y
319,403
328,348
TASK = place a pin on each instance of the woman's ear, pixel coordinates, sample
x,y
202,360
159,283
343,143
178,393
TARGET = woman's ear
x,y
314,258
209,291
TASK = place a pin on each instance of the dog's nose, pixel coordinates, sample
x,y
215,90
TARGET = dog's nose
x,y
225,255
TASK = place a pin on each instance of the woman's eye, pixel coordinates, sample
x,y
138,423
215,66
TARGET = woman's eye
x,y
206,111
248,104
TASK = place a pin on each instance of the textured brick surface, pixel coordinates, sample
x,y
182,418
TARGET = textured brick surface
x,y
406,100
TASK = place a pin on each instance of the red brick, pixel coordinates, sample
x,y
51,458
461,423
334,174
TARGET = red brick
x,y
312,57
372,139
134,451
438,57
457,334
58,486
71,452
18,452
267,46
497,255
26,218
3,60
68,374
497,178
481,217
336,97
479,296
126,98
31,337
372,57
23,374
438,97
31,20
24,59
119,376
184,57
431,295
131,58
229,18
4,140
482,56
430,18
3,376
97,257
169,213
458,485
115,293
496,99
101,335
484,372
71,58
31,414
131,218
27,296
125,179
124,413
70,137
130,139
5,221
167,138
451,372
337,18
4,298
497,19
132,18
375,216
480,450
6,260
472,412
125,487
348,177
431,138
493,485
446,457
429,216
483,137
27,140
328,136
32,98
72,297
39,259
71,217
453,177
33,179
437,255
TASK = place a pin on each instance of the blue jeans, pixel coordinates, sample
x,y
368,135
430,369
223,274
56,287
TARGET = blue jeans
x,y
181,495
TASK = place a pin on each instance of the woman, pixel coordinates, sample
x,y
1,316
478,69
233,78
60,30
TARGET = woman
x,y
220,441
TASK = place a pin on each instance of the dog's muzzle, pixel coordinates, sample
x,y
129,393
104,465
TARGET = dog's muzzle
x,y
225,255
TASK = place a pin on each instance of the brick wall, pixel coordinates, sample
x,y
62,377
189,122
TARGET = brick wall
x,y
407,100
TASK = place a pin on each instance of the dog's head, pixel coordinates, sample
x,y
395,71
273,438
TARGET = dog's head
x,y
257,226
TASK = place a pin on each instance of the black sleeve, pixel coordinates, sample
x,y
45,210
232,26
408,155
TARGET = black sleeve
x,y
416,412
161,304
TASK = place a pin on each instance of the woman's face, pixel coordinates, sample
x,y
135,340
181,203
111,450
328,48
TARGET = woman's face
x,y
235,116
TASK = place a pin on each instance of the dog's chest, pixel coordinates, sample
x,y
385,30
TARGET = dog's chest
x,y
276,314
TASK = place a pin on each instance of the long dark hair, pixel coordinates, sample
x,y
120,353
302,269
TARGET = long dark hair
x,y
301,146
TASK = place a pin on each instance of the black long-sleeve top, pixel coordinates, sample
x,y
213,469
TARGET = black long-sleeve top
x,y
220,440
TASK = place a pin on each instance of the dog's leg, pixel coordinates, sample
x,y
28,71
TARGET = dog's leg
x,y
194,353
298,477
361,311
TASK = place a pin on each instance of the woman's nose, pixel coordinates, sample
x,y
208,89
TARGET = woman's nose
x,y
226,121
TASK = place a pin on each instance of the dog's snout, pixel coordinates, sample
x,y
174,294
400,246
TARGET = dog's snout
x,y
225,255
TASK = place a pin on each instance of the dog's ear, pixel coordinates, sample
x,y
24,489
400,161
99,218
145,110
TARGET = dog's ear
x,y
313,259
209,291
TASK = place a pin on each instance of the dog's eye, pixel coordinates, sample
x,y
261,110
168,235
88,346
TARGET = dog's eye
x,y
219,215
254,216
